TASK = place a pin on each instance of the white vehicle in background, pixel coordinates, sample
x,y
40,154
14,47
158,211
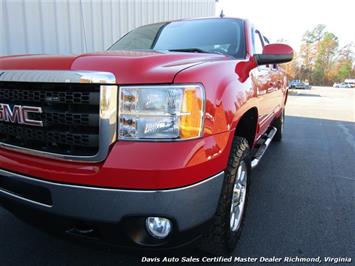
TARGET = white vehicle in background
x,y
351,82
342,85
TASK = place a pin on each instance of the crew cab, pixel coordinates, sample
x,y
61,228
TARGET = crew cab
x,y
149,144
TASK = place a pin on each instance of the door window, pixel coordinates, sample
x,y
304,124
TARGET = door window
x,y
258,43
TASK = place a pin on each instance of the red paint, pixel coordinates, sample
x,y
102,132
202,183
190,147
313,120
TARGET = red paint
x,y
152,165
129,67
144,165
277,48
243,68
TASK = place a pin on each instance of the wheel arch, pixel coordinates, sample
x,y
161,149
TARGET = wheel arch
x,y
247,125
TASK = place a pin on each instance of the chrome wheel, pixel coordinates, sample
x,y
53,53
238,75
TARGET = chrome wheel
x,y
238,197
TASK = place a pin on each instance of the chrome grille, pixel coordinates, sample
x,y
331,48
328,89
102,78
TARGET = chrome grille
x,y
70,117
79,113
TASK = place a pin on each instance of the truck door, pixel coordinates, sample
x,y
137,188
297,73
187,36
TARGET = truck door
x,y
277,85
261,78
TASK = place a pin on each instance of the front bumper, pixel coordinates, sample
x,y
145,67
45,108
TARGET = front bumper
x,y
188,207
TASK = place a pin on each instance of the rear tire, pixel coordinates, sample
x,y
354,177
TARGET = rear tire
x,y
279,124
225,230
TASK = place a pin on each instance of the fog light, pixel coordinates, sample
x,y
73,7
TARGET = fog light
x,y
158,227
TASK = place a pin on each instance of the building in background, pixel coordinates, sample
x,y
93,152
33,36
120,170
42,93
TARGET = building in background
x,y
76,26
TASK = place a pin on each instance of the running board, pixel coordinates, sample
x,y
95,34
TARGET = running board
x,y
263,147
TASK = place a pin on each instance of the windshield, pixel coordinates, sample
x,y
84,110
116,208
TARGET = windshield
x,y
223,36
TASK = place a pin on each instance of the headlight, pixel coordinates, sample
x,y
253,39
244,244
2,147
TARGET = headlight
x,y
164,112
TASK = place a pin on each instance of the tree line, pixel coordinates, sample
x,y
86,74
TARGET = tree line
x,y
320,60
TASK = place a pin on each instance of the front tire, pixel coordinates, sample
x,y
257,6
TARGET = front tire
x,y
225,230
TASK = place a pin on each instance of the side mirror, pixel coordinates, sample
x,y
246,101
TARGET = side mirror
x,y
275,53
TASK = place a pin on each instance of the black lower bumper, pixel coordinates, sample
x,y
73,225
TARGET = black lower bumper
x,y
97,212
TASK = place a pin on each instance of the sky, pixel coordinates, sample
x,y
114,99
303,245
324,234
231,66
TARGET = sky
x,y
289,19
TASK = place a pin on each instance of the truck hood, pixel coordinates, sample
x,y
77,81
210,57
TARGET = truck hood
x,y
129,67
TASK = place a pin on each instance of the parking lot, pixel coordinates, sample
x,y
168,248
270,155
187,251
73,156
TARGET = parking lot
x,y
302,196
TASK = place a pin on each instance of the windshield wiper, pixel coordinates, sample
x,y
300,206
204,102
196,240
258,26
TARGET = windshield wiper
x,y
189,50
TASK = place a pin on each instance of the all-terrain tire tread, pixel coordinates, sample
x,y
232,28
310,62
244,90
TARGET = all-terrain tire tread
x,y
218,239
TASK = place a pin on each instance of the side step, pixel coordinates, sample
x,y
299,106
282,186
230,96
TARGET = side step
x,y
263,147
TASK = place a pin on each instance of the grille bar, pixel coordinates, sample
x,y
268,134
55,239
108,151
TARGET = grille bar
x,y
56,95
49,94
52,118
54,138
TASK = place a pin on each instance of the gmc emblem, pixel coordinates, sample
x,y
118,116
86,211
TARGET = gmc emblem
x,y
18,114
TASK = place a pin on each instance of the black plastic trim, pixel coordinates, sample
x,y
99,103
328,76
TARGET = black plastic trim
x,y
188,206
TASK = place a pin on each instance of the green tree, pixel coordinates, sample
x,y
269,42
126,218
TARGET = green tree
x,y
344,64
320,60
327,48
315,35
308,51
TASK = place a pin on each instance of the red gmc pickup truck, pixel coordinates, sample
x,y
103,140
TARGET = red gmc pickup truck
x,y
146,145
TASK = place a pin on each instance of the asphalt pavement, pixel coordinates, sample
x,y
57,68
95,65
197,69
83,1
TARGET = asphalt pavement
x,y
301,202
